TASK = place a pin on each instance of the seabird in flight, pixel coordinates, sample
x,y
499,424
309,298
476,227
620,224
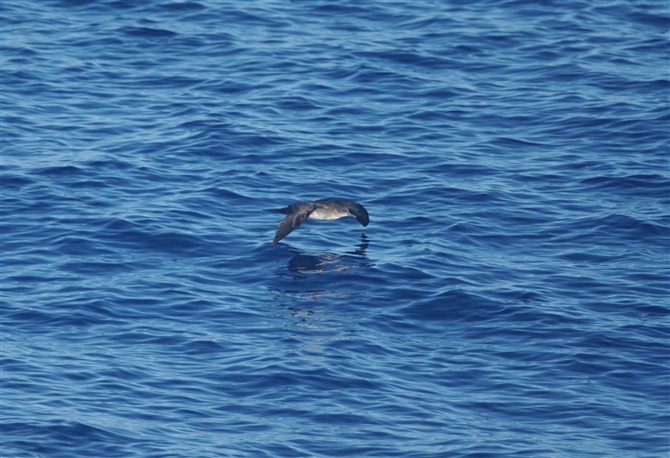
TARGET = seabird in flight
x,y
322,209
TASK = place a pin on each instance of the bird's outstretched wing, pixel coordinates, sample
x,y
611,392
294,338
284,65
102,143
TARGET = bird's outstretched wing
x,y
300,213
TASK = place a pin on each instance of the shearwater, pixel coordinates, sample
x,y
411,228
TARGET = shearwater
x,y
322,209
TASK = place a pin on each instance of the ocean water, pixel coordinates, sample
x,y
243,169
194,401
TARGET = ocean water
x,y
508,298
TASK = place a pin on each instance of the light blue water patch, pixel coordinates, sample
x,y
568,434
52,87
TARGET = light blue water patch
x,y
508,298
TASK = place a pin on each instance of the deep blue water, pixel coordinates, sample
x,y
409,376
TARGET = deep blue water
x,y
509,297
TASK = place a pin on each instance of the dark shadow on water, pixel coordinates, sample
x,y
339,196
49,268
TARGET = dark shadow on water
x,y
301,286
304,262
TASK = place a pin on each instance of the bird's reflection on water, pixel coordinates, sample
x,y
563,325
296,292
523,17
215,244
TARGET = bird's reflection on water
x,y
304,262
306,285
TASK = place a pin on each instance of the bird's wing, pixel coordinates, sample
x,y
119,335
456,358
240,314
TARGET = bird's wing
x,y
300,214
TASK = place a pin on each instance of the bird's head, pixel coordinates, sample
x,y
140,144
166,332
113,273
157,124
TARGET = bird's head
x,y
357,211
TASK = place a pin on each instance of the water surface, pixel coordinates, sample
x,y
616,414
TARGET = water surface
x,y
509,297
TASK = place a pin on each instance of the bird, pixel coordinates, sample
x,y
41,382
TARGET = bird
x,y
322,209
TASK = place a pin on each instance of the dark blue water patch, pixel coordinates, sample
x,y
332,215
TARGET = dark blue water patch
x,y
630,185
454,306
610,227
147,32
56,435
